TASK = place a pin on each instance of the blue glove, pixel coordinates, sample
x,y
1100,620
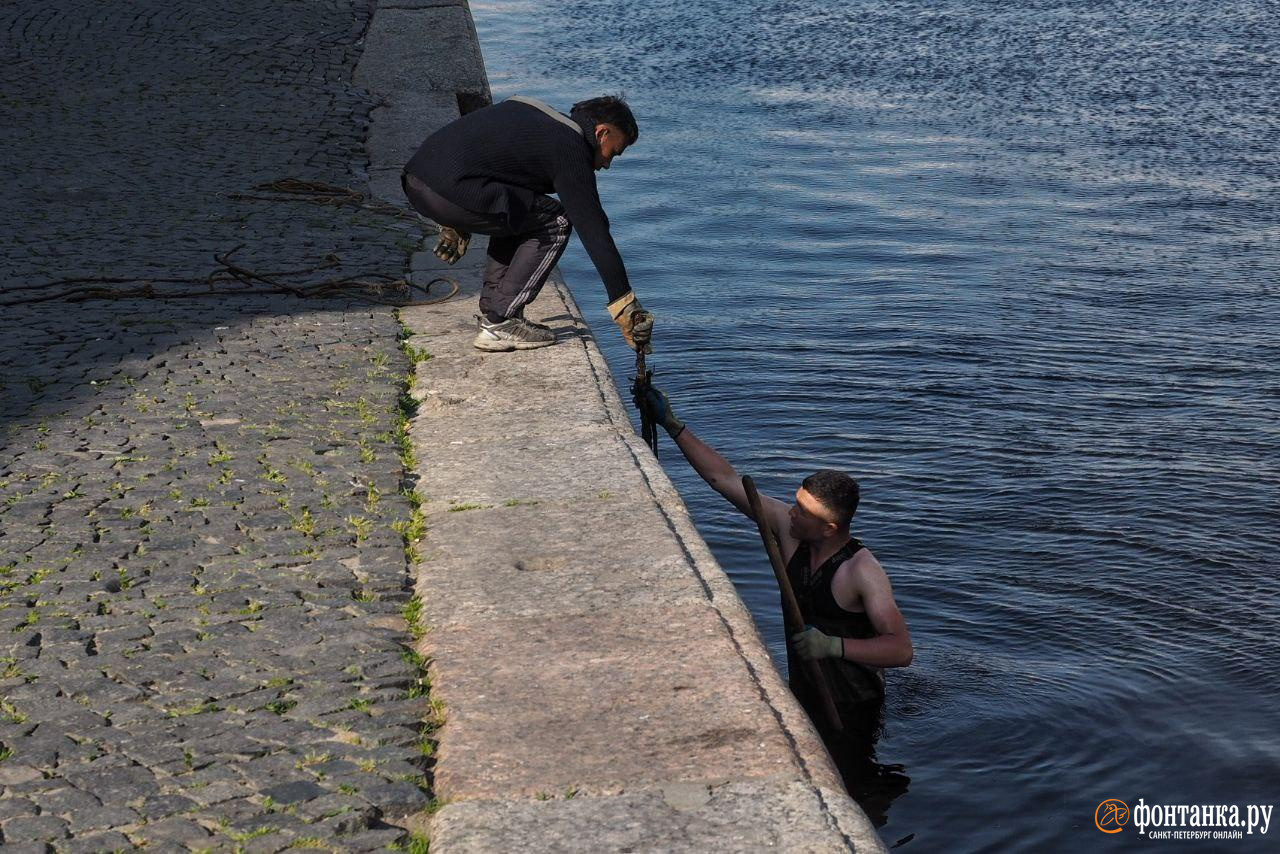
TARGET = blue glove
x,y
655,400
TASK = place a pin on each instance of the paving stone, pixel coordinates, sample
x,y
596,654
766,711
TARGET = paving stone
x,y
334,805
163,806
13,807
34,828
270,843
100,818
375,839
34,788
66,802
351,821
153,756
74,721
294,792
27,847
94,843
13,772
216,793
224,813
171,831
118,784
395,798
213,773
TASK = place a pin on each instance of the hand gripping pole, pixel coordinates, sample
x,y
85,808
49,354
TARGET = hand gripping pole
x,y
793,621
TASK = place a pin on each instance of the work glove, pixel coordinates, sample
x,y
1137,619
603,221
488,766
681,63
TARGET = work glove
x,y
453,244
813,644
636,323
656,402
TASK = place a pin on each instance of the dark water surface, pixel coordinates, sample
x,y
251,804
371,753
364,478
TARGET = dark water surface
x,y
1015,267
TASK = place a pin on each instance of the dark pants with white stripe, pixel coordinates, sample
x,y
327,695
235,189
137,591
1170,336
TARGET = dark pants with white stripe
x,y
519,261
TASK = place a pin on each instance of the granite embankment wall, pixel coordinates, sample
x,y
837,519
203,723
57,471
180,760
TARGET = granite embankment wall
x,y
603,685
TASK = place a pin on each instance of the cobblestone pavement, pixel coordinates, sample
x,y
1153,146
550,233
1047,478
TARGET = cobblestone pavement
x,y
203,574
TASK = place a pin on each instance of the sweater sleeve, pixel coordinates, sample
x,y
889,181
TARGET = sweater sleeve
x,y
576,185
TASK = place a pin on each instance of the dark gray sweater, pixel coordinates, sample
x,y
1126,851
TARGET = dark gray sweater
x,y
499,159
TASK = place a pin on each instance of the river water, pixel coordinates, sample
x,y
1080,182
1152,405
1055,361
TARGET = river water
x,y
1014,266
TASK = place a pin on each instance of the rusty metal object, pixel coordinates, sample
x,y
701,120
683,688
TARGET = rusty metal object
x,y
639,386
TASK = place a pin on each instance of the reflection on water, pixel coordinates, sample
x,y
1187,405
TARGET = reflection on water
x,y
1015,267
874,786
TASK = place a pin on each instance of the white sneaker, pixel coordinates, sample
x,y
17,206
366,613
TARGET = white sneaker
x,y
520,314
514,333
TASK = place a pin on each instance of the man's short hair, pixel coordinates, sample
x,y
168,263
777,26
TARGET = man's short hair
x,y
836,490
609,110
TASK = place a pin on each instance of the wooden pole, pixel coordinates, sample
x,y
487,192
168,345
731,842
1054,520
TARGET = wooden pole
x,y
790,608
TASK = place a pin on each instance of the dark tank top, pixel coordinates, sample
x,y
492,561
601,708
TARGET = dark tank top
x,y
850,681
813,593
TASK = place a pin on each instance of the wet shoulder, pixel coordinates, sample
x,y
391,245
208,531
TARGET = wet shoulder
x,y
861,564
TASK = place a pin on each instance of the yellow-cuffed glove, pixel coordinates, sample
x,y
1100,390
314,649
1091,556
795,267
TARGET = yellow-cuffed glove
x,y
453,244
812,643
636,323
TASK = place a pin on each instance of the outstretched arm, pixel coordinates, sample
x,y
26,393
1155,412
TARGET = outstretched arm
x,y
719,474
575,183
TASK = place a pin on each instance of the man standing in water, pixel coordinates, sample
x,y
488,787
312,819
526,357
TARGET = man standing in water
x,y
490,171
854,628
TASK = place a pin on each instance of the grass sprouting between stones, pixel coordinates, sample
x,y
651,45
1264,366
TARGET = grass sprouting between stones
x,y
413,532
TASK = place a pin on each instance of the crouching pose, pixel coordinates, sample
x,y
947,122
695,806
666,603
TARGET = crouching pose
x,y
490,171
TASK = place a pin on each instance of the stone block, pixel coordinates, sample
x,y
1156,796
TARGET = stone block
x,y
66,802
100,818
384,184
394,59
481,470
294,792
14,807
466,396
606,701
172,832
95,843
27,847
396,798
34,828
734,817
162,806
13,772
550,559
405,119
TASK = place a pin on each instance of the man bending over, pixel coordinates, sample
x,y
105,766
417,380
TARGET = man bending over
x,y
490,171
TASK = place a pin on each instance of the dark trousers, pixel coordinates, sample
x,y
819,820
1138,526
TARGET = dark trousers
x,y
519,261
